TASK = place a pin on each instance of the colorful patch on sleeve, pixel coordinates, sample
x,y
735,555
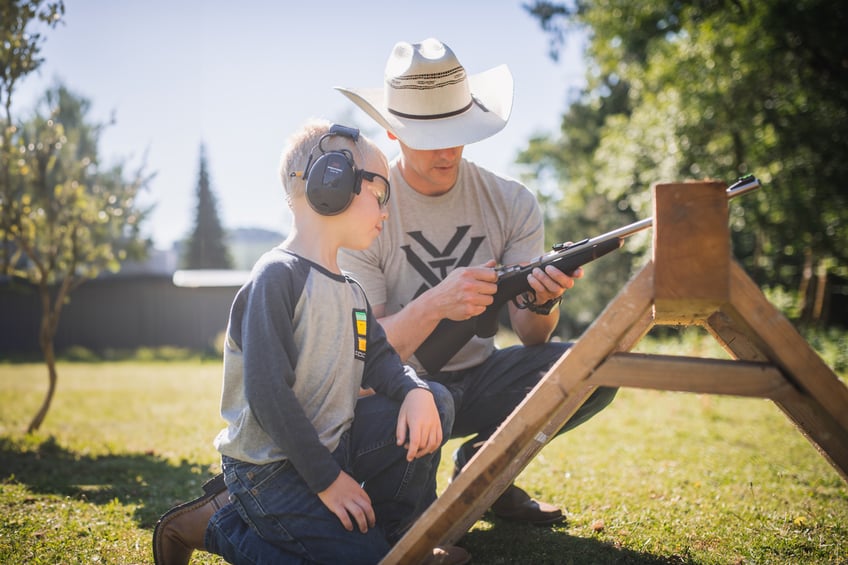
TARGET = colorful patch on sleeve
x,y
360,332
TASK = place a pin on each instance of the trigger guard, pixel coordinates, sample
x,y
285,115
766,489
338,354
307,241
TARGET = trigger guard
x,y
527,298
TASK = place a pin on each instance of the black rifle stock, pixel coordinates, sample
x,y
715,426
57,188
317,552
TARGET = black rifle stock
x,y
450,336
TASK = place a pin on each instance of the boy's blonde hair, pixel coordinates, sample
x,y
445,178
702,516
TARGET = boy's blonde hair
x,y
301,144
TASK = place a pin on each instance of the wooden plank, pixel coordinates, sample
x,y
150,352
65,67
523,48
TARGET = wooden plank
x,y
818,426
526,430
636,332
624,315
691,374
691,250
736,340
777,338
484,477
820,407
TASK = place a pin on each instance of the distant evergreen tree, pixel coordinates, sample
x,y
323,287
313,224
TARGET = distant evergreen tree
x,y
206,247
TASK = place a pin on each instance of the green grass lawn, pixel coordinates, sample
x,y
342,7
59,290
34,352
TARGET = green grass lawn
x,y
658,477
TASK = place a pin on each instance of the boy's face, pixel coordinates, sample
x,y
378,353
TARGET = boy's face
x,y
366,215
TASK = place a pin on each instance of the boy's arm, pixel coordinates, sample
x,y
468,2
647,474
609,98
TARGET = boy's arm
x,y
384,371
419,427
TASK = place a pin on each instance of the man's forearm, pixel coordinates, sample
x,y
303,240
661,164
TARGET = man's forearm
x,y
531,328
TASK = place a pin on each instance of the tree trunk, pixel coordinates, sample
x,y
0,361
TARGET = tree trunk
x,y
49,323
818,314
50,360
804,289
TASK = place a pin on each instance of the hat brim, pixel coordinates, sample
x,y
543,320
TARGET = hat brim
x,y
492,89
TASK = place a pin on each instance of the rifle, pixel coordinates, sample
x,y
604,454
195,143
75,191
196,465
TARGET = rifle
x,y
450,336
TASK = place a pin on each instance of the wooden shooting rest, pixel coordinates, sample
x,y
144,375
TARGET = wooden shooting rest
x,y
691,280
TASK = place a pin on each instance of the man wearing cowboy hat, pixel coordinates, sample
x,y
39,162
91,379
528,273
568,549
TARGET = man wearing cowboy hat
x,y
450,222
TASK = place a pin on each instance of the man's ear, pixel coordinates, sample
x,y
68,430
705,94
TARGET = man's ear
x,y
391,136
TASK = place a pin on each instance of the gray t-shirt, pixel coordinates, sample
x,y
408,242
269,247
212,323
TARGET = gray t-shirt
x,y
484,216
300,343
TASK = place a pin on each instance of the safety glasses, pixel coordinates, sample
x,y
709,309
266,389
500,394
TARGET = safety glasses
x,y
382,195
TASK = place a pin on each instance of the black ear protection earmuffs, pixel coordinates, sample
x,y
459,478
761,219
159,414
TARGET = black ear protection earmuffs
x,y
332,180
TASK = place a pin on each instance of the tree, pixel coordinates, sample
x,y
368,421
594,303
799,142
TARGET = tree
x,y
719,88
206,247
71,217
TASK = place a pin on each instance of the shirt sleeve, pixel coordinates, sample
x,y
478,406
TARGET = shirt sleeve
x,y
384,371
526,234
270,357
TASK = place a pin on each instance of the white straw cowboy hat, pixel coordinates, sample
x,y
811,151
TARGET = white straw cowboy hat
x,y
429,102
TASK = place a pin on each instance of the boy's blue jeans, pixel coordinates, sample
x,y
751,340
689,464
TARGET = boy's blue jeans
x,y
275,518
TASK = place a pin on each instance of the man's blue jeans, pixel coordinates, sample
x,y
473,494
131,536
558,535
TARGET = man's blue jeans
x,y
275,518
485,395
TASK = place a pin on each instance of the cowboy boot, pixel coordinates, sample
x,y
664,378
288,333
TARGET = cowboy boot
x,y
181,529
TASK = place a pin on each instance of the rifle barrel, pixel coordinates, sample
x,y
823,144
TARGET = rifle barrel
x,y
740,187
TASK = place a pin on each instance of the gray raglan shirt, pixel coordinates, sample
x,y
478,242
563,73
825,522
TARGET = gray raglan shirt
x,y
300,343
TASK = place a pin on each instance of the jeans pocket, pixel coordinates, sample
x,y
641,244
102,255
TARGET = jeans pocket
x,y
254,478
260,494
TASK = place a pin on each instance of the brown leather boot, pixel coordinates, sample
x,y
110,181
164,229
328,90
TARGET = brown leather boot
x,y
181,529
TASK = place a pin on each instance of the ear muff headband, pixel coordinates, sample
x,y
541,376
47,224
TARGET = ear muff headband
x,y
332,180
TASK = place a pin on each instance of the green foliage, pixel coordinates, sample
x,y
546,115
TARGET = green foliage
x,y
80,354
70,217
19,44
206,247
713,89
832,345
63,216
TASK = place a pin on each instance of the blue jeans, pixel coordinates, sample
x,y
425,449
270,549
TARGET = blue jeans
x,y
485,395
275,518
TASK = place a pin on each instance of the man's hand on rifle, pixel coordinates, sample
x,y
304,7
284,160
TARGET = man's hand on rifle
x,y
465,292
534,324
551,283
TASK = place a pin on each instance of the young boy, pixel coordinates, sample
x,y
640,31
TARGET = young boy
x,y
318,468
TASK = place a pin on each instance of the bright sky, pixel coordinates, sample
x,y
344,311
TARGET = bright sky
x,y
241,76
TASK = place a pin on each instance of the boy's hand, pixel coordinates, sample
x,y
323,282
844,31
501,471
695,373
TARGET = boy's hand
x,y
346,499
419,427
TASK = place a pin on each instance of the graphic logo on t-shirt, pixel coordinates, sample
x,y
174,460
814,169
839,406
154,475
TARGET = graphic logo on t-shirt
x,y
441,261
360,333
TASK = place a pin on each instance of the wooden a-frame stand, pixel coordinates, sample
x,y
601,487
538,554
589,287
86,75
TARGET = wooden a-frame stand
x,y
691,280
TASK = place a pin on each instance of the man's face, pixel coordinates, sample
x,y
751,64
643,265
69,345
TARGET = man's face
x,y
431,171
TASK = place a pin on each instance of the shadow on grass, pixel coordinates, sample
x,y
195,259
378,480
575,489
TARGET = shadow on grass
x,y
154,485
145,480
510,543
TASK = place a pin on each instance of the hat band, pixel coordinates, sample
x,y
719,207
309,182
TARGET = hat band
x,y
431,116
